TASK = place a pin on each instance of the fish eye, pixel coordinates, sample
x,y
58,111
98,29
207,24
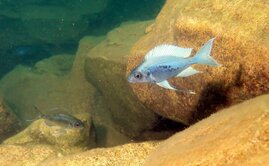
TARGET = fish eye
x,y
77,124
138,75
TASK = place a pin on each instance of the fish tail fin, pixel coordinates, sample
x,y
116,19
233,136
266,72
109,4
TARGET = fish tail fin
x,y
40,114
203,55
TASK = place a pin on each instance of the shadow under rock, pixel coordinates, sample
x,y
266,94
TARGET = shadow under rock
x,y
215,96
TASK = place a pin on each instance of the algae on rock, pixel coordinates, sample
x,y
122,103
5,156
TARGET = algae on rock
x,y
241,46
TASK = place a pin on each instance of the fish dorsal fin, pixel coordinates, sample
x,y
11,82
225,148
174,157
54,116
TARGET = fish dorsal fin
x,y
168,50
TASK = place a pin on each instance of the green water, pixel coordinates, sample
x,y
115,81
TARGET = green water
x,y
36,29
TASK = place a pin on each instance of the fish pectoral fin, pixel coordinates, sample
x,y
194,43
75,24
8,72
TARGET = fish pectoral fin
x,y
188,72
165,84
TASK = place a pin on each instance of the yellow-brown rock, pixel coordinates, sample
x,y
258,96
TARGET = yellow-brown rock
x,y
234,136
15,155
66,140
9,124
105,69
241,29
133,154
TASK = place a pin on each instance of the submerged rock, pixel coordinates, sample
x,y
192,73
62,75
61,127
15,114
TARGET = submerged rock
x,y
51,83
9,124
59,81
54,82
67,139
25,155
106,132
241,46
130,154
234,136
105,68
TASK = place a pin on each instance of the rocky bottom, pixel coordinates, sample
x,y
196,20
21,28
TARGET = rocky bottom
x,y
236,135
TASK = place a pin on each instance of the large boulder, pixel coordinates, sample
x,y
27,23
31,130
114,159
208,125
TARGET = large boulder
x,y
234,136
241,46
105,68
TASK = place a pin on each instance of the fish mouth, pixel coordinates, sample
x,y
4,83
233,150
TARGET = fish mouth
x,y
130,79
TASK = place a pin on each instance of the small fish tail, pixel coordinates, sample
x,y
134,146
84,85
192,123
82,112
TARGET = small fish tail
x,y
41,115
203,55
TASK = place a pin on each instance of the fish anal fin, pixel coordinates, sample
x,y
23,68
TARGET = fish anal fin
x,y
188,72
165,84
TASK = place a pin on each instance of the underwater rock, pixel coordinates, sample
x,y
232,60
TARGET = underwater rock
x,y
58,65
105,69
133,154
46,88
25,87
49,84
234,136
25,155
241,46
59,81
9,124
65,138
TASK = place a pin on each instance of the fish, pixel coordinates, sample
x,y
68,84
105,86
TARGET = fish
x,y
61,118
166,61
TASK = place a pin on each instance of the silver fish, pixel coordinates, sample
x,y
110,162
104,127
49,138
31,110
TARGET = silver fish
x,y
166,61
61,118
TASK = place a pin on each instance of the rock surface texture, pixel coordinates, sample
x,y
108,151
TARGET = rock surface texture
x,y
133,154
22,155
105,69
234,136
66,140
241,46
9,124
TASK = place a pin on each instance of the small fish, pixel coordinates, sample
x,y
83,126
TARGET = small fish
x,y
61,118
166,61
